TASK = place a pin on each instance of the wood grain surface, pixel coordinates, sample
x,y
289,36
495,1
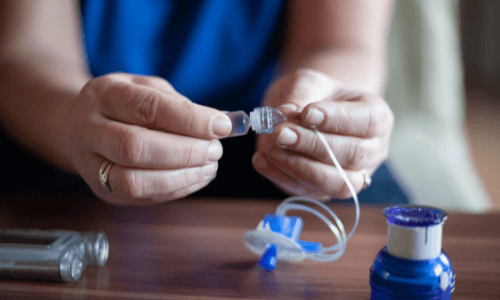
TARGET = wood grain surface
x,y
193,249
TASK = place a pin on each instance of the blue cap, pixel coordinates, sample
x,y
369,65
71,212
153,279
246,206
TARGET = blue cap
x,y
415,215
268,259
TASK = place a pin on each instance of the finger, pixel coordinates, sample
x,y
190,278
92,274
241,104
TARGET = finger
x,y
142,186
291,112
139,147
353,153
283,181
364,116
181,193
323,177
156,106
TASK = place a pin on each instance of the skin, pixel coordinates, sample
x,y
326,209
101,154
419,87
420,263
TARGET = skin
x,y
166,147
332,80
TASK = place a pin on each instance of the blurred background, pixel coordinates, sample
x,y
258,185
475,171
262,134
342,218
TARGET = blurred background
x,y
480,32
443,84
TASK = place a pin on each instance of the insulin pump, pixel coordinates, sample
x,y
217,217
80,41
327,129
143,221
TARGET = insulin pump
x,y
59,255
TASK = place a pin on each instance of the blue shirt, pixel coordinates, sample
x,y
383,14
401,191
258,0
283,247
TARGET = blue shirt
x,y
215,52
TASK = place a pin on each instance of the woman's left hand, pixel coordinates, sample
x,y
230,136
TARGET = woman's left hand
x,y
357,126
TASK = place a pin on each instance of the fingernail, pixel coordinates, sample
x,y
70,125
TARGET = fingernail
x,y
259,161
210,176
314,117
277,154
221,126
288,106
210,171
214,151
287,137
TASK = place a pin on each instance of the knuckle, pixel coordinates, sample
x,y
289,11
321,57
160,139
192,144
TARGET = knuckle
x,y
146,109
111,90
186,177
132,148
131,185
153,81
381,118
189,155
311,174
302,77
188,118
317,149
343,191
356,154
162,82
316,175
390,117
307,74
373,122
293,85
343,121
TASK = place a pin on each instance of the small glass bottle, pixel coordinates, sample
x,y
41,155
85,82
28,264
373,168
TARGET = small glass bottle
x,y
261,120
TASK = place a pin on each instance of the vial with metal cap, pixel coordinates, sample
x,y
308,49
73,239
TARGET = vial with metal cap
x,y
261,120
412,265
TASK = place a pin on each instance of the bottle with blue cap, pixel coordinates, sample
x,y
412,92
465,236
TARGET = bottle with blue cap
x,y
412,265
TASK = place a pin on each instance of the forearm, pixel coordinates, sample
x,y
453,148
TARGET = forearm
x,y
355,68
41,73
35,100
345,39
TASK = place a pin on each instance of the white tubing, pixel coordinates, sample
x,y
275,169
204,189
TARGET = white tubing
x,y
338,249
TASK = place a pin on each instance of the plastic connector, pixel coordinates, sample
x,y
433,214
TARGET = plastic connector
x,y
261,120
277,237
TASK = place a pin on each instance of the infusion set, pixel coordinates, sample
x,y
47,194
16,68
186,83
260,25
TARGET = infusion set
x,y
59,255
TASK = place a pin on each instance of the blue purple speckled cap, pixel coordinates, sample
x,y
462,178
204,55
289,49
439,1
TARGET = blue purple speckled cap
x,y
415,215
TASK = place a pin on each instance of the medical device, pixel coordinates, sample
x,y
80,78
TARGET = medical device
x,y
276,236
261,120
412,265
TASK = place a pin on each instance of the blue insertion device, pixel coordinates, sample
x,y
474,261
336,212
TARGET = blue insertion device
x,y
277,237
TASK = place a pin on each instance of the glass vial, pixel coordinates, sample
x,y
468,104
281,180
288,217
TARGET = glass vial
x,y
261,120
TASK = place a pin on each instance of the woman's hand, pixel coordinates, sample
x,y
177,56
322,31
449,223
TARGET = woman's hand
x,y
356,125
162,145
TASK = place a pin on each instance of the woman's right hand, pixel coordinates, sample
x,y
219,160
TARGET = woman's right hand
x,y
163,146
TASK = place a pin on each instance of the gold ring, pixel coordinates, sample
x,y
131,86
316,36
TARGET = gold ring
x,y
104,175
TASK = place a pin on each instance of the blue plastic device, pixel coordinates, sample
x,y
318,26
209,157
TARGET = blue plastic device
x,y
277,237
412,265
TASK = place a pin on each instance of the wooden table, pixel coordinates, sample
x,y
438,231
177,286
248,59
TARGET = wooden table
x,y
193,249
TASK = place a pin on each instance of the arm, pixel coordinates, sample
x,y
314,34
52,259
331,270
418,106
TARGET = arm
x,y
345,39
42,72
162,146
332,80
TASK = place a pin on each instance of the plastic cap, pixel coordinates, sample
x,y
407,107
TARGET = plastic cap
x,y
415,215
268,259
97,248
263,119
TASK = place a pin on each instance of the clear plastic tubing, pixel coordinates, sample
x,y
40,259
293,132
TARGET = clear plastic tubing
x,y
261,120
